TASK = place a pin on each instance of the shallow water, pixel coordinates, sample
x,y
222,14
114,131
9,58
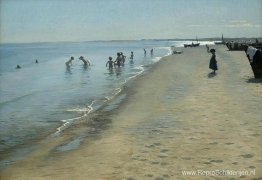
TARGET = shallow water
x,y
43,98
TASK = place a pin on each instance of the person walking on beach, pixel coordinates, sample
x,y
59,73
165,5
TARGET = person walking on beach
x,y
110,63
69,62
213,61
85,61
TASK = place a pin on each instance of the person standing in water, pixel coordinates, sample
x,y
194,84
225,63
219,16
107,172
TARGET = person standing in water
x,y
213,61
69,62
144,52
123,57
131,56
118,60
85,61
110,63
152,52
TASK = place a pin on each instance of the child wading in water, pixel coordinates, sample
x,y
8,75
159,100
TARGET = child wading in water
x,y
68,63
85,61
132,55
110,63
118,60
213,61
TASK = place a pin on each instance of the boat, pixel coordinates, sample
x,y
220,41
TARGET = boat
x,y
192,44
254,55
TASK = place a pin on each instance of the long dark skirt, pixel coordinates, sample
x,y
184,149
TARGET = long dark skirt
x,y
213,63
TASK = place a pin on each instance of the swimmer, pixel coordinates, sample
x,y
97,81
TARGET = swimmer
x,y
18,67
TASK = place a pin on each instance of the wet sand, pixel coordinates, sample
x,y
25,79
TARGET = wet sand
x,y
175,117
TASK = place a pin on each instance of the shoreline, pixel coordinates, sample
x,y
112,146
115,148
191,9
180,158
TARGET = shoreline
x,y
20,152
26,147
168,121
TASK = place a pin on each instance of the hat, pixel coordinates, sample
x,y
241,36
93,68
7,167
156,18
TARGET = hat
x,y
212,50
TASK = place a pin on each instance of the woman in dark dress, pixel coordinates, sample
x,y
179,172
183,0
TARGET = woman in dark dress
x,y
213,61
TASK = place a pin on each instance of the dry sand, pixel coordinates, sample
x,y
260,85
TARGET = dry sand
x,y
175,117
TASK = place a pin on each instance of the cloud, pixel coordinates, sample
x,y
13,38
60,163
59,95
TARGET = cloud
x,y
242,24
231,24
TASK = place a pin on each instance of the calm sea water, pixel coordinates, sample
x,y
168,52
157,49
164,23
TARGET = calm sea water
x,y
39,99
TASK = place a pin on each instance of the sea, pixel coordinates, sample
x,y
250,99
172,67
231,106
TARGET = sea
x,y
44,98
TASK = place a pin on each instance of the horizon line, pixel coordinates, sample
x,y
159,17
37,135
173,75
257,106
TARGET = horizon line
x,y
156,39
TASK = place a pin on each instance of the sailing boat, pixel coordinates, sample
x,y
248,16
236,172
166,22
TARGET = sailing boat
x,y
192,45
220,42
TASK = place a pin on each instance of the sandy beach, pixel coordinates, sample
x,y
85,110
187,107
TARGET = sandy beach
x,y
174,119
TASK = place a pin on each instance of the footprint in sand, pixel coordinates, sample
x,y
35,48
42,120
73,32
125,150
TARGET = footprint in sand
x,y
164,163
213,143
186,158
155,162
252,167
149,175
163,155
229,143
163,150
247,155
207,162
216,161
130,178
143,159
157,144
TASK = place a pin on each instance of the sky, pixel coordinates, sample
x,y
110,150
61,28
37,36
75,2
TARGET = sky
x,y
88,20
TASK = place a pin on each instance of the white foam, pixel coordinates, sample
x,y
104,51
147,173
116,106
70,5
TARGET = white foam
x,y
67,122
167,48
83,109
141,68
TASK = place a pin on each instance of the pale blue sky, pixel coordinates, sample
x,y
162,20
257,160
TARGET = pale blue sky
x,y
83,20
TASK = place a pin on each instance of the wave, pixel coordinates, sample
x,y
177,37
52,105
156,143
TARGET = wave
x,y
67,122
